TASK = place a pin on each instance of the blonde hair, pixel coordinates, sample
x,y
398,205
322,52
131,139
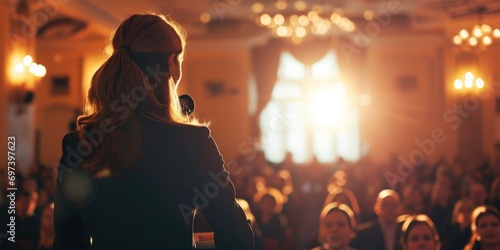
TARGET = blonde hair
x,y
419,219
138,65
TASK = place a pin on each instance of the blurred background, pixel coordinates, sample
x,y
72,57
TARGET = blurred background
x,y
385,91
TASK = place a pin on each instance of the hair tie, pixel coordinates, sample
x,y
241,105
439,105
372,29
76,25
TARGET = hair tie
x,y
129,50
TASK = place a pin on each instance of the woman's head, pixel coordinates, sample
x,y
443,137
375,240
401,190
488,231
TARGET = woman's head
x,y
270,201
337,224
462,212
419,233
138,80
485,225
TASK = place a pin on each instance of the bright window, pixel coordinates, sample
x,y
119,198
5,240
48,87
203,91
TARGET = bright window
x,y
310,114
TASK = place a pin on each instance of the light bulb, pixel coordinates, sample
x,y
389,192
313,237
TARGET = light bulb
x,y
457,40
476,31
19,68
479,83
458,84
469,76
472,41
486,28
496,33
27,60
487,40
265,19
279,19
257,7
463,34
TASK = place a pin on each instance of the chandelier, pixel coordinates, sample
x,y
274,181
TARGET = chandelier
x,y
469,81
481,37
299,19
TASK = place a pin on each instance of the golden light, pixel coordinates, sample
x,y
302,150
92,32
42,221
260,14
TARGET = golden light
x,y
257,7
327,106
303,20
282,31
496,33
486,28
265,19
19,68
312,15
205,17
279,19
463,34
476,31
281,5
457,39
335,18
33,68
487,40
27,60
458,84
368,15
479,83
300,5
300,32
472,41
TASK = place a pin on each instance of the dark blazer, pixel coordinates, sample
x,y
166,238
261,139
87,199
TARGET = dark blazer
x,y
370,237
149,207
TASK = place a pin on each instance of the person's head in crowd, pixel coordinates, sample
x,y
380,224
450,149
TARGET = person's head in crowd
x,y
29,184
414,200
270,201
254,185
478,193
336,226
495,191
343,195
47,233
462,212
419,233
283,182
148,51
442,195
388,206
485,228
23,200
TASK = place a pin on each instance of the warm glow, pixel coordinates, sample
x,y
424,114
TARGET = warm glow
x,y
463,34
496,33
279,19
327,106
458,84
472,41
205,18
265,19
479,83
300,5
33,67
282,31
257,7
300,32
457,40
487,40
368,15
40,71
476,31
335,18
19,68
303,20
312,15
281,4
486,28
27,60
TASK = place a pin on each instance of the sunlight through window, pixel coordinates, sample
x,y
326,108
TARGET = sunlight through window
x,y
310,114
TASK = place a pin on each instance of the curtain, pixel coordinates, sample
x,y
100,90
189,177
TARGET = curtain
x,y
265,62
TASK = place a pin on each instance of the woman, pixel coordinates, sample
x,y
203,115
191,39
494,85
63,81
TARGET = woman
x,y
137,166
485,229
337,225
418,233
455,232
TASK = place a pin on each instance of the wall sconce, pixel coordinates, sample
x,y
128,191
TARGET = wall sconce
x,y
469,81
20,94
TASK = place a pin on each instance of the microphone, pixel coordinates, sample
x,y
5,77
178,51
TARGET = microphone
x,y
187,104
